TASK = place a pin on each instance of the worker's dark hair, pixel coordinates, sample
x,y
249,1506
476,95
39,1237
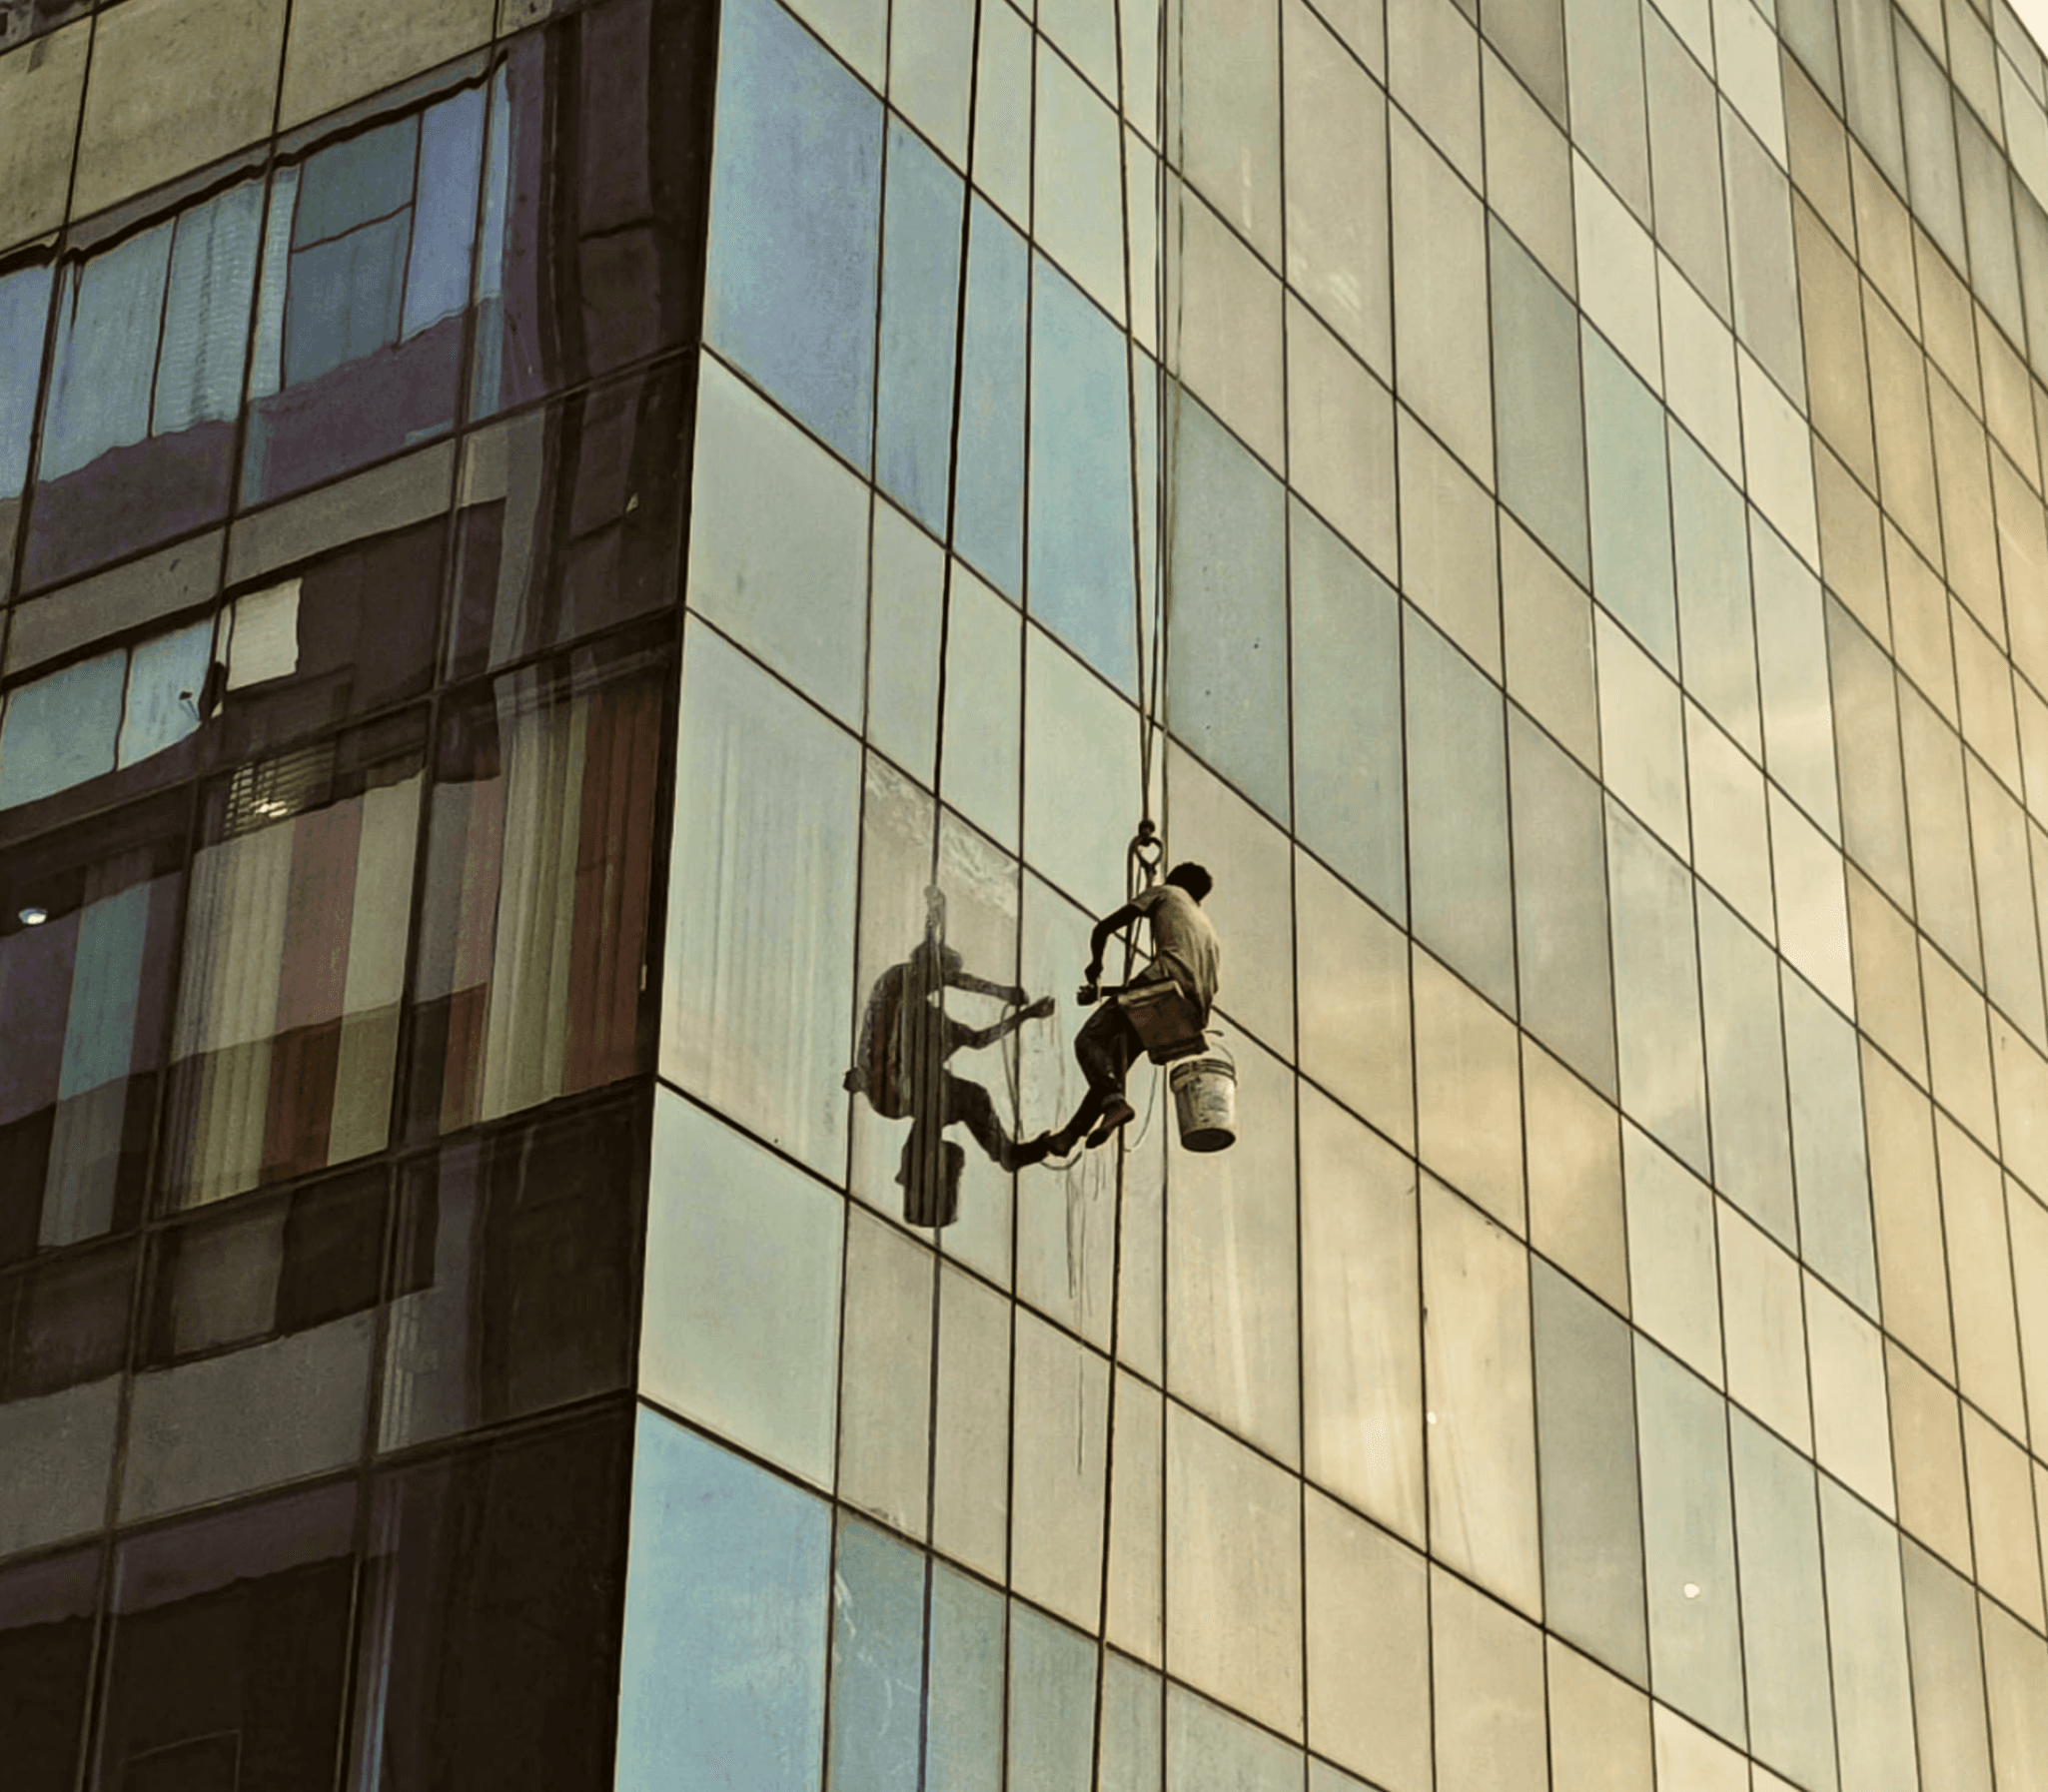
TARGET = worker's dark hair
x,y
1193,878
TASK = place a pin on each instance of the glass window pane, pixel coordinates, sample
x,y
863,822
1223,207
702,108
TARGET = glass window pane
x,y
1695,1641
1866,1629
46,1650
964,1733
1948,1675
1870,78
1673,1289
1489,1689
567,520
1209,1749
1081,516
61,730
1604,47
1439,299
230,1646
1079,220
1931,146
1628,502
756,1013
1791,652
138,426
24,316
60,1393
778,544
1657,989
1478,1387
1784,1617
1367,1649
877,1660
1362,1370
795,224
1685,162
1347,697
1592,1526
1059,1422
1537,403
512,1260
1226,659
1867,738
989,520
488,1636
1052,1705
1351,978
1745,1062
529,979
1561,905
359,324
920,314
594,223
1132,1760
1717,635
1458,813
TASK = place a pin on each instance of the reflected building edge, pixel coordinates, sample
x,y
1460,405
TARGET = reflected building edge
x,y
593,591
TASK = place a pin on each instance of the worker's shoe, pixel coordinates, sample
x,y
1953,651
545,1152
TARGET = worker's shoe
x,y
1118,1114
1026,1151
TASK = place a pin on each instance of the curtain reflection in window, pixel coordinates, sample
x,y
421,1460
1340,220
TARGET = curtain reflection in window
x,y
533,932
359,336
287,1027
84,991
139,427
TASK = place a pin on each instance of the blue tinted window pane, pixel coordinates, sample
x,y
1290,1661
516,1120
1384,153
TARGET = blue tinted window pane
x,y
1627,495
1081,565
920,312
1227,660
723,1674
964,1724
1347,684
1457,814
795,223
877,1660
1209,1749
1131,1697
166,673
60,730
24,310
988,524
444,213
108,317
1052,1705
356,182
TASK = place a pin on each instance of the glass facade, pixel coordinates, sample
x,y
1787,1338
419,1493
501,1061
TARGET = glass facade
x,y
591,592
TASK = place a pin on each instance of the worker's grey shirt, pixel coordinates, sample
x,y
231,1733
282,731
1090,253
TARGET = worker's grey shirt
x,y
1185,948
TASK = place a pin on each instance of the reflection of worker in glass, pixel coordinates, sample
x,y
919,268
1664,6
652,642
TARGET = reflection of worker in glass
x,y
905,1039
1185,953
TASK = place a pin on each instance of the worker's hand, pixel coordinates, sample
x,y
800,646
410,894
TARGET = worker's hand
x,y
1040,1009
1093,974
855,1081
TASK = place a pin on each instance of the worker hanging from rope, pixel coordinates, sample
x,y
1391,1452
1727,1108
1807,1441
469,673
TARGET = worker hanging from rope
x,y
1164,1008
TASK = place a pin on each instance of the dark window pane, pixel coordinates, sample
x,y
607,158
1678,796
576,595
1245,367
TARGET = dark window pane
x,y
87,921
63,1338
46,1646
283,1267
593,198
795,224
295,949
568,519
514,1275
139,429
487,1648
359,336
332,641
229,1649
534,930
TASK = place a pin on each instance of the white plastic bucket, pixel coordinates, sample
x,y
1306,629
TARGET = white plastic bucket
x,y
1205,1102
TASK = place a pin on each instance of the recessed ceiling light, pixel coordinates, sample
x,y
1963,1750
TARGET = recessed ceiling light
x,y
33,916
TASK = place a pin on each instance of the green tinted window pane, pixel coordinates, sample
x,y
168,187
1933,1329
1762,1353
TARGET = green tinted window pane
x,y
1745,1070
1866,1623
1628,502
1657,989
1052,1705
964,1721
1586,1444
1458,813
1539,438
1209,1749
1710,528
877,1660
1347,695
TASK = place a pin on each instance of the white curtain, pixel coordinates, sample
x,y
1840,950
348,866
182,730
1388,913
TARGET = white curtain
x,y
206,318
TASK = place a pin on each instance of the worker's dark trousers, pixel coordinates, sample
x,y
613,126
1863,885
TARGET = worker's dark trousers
x,y
1103,1049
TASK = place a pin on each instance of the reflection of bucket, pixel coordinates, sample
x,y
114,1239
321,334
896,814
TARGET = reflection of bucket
x,y
1205,1102
931,1183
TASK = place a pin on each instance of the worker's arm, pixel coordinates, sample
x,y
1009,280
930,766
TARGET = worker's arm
x,y
980,986
1106,930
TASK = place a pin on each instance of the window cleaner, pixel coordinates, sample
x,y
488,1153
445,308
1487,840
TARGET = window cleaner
x,y
1164,1009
